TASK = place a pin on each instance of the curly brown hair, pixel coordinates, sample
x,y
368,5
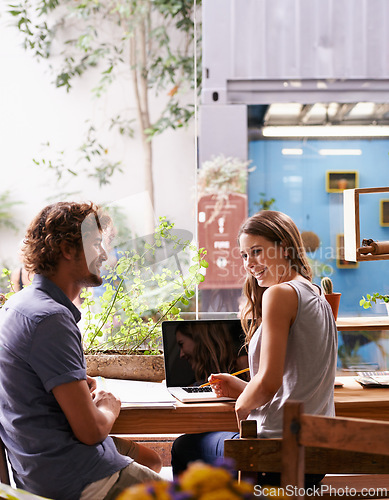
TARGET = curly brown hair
x,y
56,223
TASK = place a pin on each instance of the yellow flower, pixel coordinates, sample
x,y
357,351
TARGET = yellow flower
x,y
150,491
221,494
161,489
243,487
200,478
137,492
199,482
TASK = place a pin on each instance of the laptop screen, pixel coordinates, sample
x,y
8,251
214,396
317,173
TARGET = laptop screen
x,y
193,349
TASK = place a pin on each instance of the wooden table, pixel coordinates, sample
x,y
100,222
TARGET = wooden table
x,y
350,401
358,323
185,418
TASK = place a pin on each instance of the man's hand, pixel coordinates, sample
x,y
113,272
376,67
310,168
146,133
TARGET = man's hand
x,y
92,384
91,418
106,401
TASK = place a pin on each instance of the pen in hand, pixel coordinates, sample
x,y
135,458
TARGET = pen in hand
x,y
234,374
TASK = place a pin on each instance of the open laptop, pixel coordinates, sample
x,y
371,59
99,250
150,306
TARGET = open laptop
x,y
193,349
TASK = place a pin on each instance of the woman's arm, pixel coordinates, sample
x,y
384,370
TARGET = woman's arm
x,y
279,309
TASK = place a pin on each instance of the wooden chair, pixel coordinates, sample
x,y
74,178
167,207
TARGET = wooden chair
x,y
4,474
356,449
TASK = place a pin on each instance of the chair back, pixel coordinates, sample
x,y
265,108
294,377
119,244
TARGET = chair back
x,y
312,444
356,446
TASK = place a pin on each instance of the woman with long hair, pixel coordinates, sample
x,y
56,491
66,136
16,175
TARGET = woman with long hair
x,y
209,348
291,336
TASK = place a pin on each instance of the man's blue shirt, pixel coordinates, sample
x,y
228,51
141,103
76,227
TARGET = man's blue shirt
x,y
41,348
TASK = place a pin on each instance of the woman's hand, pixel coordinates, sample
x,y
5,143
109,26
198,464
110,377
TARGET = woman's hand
x,y
226,385
241,409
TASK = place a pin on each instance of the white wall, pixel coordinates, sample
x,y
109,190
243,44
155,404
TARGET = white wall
x,y
33,111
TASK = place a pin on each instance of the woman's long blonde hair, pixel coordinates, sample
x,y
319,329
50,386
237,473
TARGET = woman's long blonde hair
x,y
279,228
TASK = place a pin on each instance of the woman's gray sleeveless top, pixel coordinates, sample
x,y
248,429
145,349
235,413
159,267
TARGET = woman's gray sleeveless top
x,y
310,362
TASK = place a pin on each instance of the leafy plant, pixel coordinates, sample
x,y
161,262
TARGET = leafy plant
x,y
7,216
348,352
139,294
150,42
6,284
370,299
352,342
264,203
221,176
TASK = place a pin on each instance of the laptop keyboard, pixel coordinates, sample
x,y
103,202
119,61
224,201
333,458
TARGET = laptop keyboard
x,y
197,389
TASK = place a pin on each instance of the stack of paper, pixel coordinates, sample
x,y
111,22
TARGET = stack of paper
x,y
134,393
373,379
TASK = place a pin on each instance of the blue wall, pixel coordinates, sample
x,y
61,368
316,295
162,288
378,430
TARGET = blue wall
x,y
298,184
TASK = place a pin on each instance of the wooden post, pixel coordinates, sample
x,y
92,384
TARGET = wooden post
x,y
248,430
292,464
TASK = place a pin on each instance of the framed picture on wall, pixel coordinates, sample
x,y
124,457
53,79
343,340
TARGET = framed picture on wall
x,y
337,181
341,262
384,213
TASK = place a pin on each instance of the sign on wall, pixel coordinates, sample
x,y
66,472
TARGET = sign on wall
x,y
218,226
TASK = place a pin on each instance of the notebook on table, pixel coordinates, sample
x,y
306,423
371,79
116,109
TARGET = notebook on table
x,y
374,379
193,349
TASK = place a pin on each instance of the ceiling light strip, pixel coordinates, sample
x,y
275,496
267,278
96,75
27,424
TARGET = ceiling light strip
x,y
326,131
292,151
340,152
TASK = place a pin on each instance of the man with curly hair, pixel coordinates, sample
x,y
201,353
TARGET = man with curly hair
x,y
53,421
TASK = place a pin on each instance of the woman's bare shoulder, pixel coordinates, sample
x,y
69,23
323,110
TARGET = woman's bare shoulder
x,y
280,290
284,294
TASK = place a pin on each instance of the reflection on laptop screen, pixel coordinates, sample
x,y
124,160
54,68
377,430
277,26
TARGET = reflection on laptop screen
x,y
195,349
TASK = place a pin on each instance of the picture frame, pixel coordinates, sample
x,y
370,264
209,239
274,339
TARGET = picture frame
x,y
384,213
337,181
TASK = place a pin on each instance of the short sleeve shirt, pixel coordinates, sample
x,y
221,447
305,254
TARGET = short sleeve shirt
x,y
41,348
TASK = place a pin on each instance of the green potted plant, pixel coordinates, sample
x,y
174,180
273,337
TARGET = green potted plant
x,y
367,302
220,177
140,292
333,298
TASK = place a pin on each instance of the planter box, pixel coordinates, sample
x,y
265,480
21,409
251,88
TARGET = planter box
x,y
126,366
